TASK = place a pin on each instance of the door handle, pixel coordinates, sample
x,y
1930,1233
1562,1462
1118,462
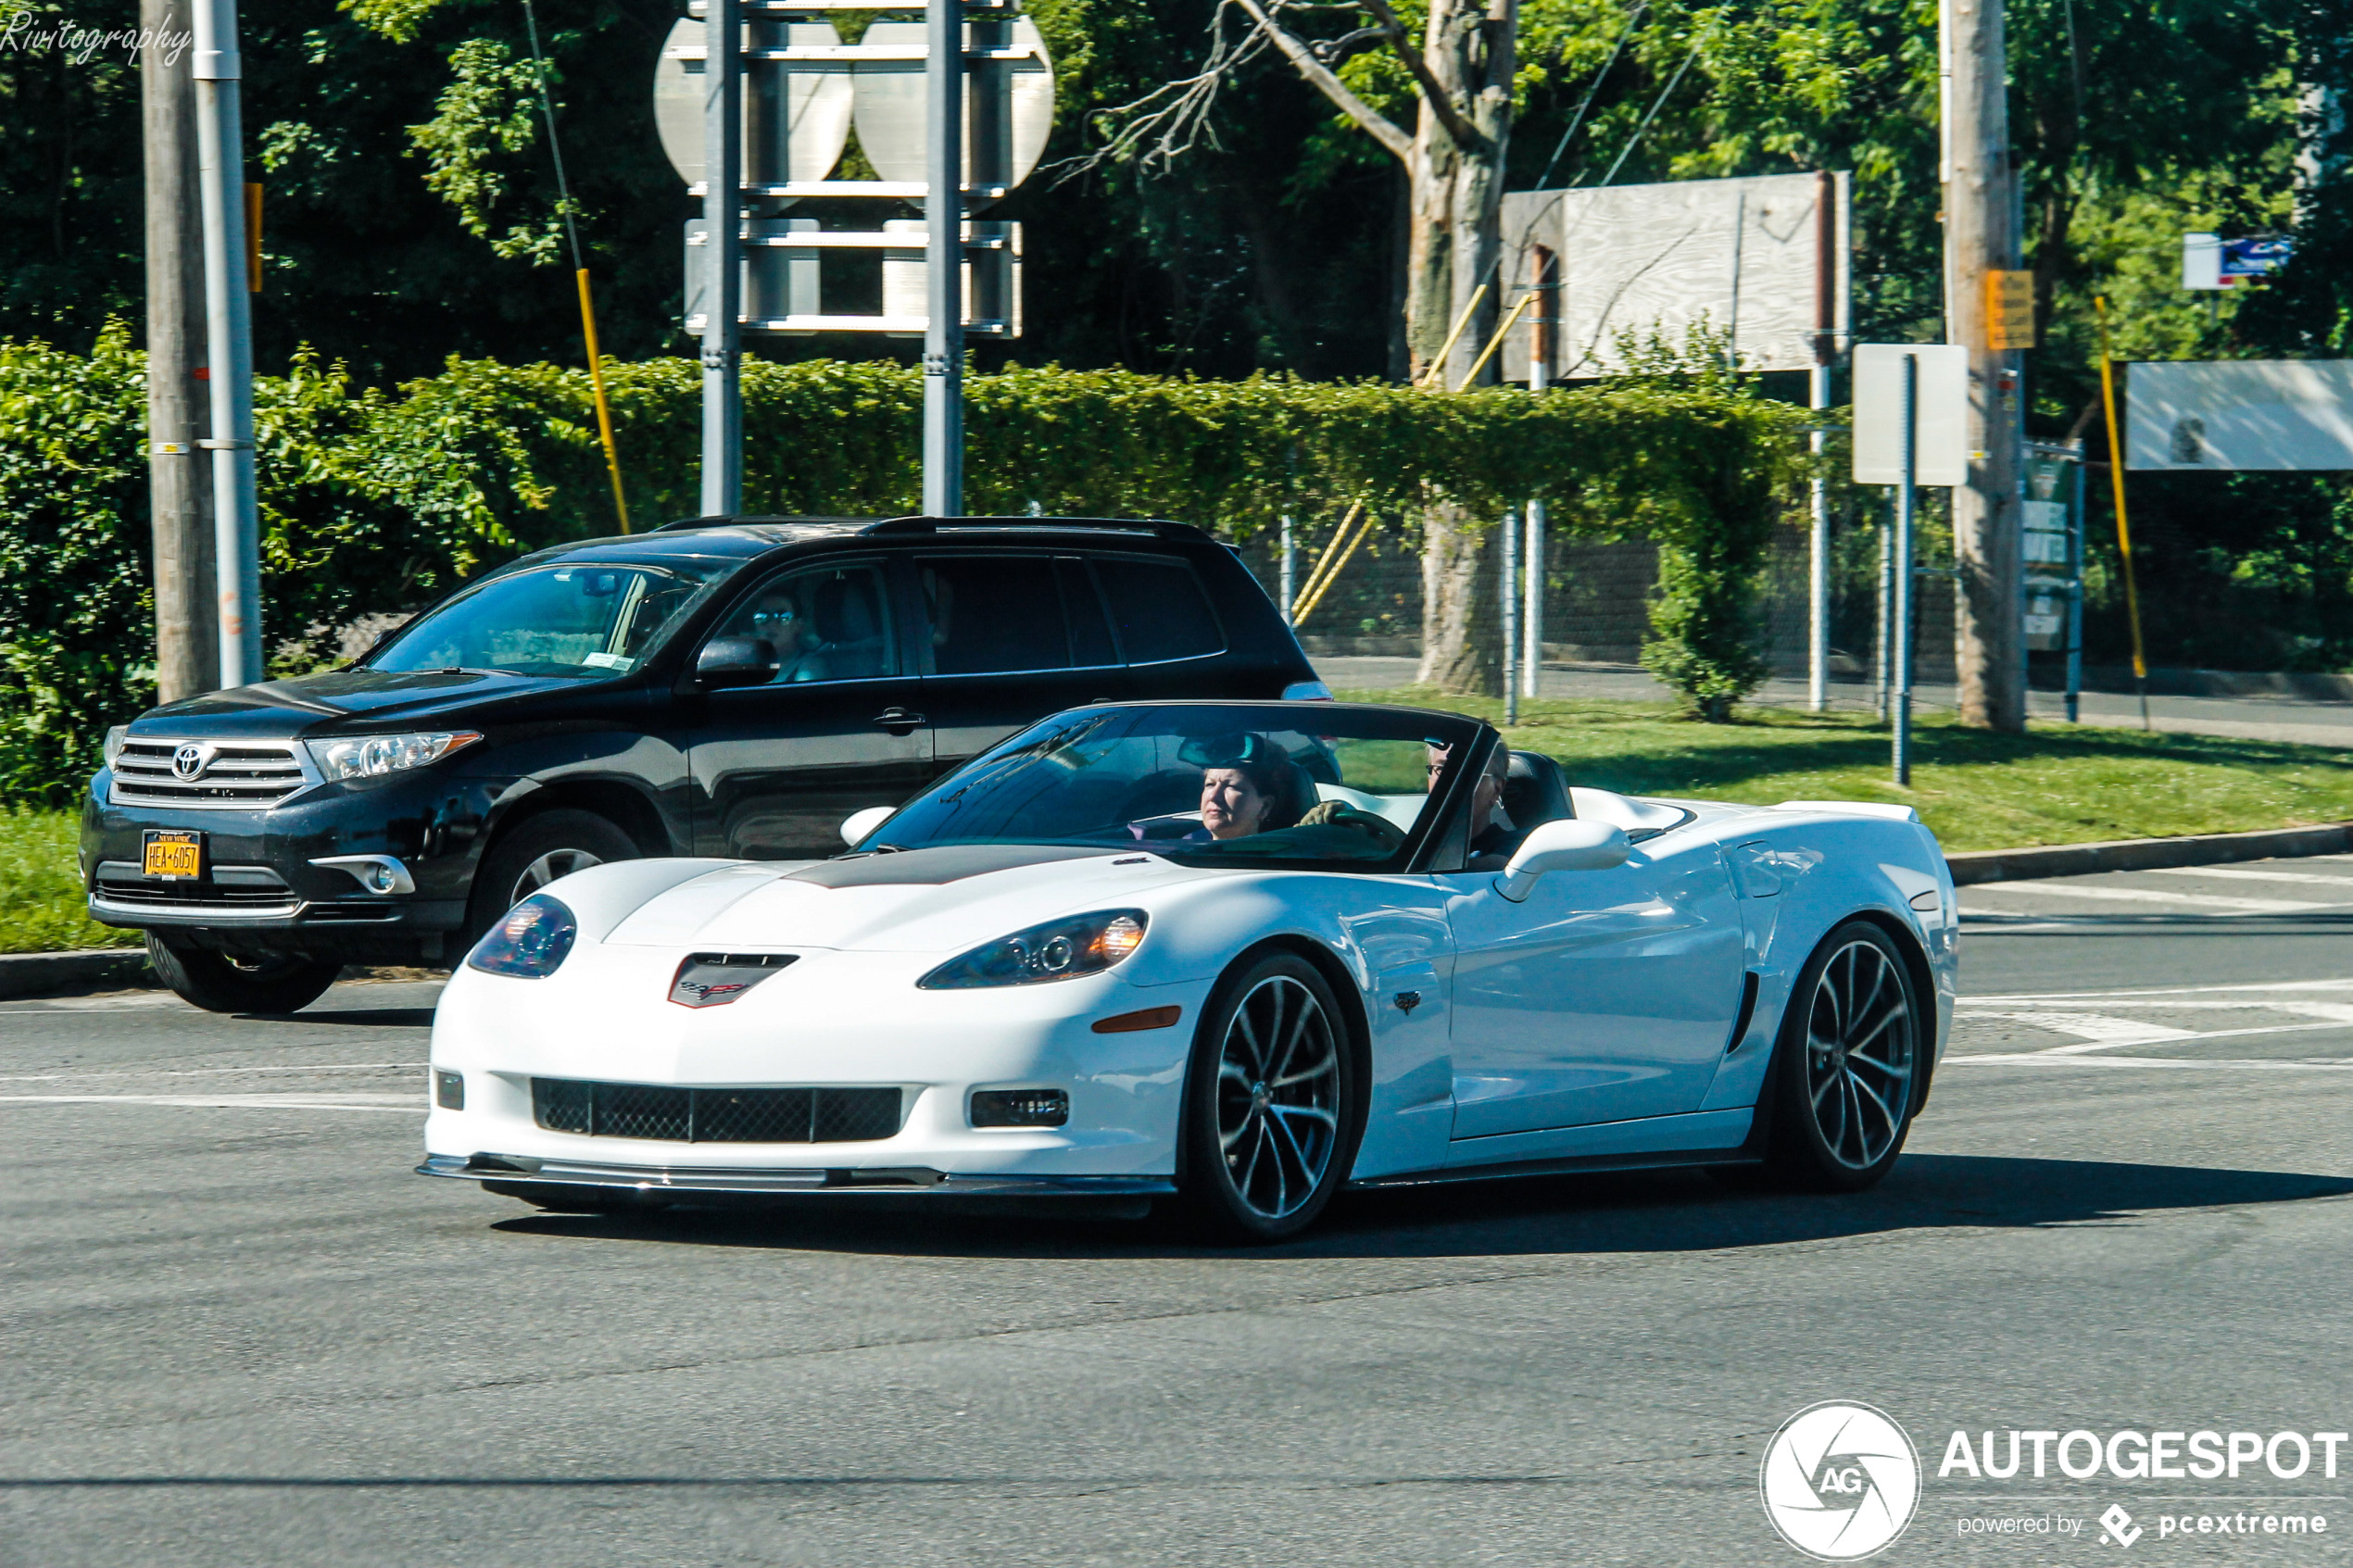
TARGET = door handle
x,y
899,722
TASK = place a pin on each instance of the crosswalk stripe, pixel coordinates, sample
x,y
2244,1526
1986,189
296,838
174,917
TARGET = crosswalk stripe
x,y
408,1103
2242,874
2143,895
2188,1063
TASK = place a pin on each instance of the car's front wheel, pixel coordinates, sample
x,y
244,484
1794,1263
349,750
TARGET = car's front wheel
x,y
533,853
223,982
1847,1069
1274,1104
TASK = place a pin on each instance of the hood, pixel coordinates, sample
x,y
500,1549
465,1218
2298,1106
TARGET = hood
x,y
310,702
919,900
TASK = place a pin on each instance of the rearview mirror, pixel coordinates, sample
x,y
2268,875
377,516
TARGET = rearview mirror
x,y
737,661
858,825
1568,846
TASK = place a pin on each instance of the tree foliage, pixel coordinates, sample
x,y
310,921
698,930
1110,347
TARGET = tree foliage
x,y
376,501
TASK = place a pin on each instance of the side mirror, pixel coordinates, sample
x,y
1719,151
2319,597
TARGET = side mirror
x,y
737,661
1568,846
858,825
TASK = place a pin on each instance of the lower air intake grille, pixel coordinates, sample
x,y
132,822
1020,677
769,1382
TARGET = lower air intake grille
x,y
646,1110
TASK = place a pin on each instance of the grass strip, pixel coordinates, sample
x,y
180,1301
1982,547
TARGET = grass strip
x,y
41,908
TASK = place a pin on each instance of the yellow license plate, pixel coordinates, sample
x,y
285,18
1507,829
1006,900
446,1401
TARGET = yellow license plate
x,y
173,855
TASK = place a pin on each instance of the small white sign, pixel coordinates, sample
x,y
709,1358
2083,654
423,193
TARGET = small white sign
x,y
1940,421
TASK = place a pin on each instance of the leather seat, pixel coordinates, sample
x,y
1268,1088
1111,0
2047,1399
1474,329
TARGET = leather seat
x,y
1536,791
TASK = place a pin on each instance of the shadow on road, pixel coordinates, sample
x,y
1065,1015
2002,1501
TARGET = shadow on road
x,y
1651,1211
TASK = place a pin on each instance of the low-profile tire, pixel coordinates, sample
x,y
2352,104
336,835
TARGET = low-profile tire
x,y
1848,1069
557,1197
1274,1104
222,982
533,853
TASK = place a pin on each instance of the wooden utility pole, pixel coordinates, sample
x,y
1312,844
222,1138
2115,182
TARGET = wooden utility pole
x,y
1981,237
178,474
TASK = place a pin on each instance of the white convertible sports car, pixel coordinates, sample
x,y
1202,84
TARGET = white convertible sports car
x,y
1238,954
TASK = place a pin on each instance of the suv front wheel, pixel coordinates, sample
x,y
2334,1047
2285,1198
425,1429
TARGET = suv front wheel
x,y
535,852
221,983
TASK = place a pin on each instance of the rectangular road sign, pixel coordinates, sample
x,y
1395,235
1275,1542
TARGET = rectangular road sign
x,y
2010,309
1940,449
2230,414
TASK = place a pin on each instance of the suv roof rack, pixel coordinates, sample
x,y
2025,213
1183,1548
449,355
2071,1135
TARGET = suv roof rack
x,y
690,522
1160,526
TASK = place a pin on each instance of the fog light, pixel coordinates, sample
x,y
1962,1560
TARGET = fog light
x,y
449,1090
1020,1108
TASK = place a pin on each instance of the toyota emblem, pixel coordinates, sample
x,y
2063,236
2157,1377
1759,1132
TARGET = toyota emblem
x,y
188,763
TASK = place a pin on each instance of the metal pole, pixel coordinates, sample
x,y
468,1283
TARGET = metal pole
x,y
722,170
1511,617
229,334
1901,612
1818,580
943,258
2075,594
2123,529
1531,620
1882,654
1287,572
187,646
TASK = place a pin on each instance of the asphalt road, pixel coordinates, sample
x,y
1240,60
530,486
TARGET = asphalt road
x,y
235,1331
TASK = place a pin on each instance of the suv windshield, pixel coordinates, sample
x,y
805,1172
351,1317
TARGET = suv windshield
x,y
579,618
1207,784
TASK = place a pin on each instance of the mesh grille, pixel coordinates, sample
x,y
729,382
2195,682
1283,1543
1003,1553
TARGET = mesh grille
x,y
646,1110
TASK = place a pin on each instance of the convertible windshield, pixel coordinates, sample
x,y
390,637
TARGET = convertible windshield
x,y
576,618
1200,783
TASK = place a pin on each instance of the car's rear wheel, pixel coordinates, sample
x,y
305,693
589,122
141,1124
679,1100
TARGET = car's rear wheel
x,y
1847,1072
1273,1105
535,852
227,983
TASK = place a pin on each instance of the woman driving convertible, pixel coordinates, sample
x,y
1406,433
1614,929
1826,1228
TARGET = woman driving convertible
x,y
1249,786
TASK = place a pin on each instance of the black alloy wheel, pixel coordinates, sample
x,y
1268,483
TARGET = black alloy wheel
x,y
279,983
1847,1070
1274,1106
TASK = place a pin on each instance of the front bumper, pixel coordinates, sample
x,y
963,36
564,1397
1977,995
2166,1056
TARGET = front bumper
x,y
656,1180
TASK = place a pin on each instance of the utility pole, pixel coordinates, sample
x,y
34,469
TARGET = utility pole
x,y
722,209
229,338
187,650
944,260
1980,237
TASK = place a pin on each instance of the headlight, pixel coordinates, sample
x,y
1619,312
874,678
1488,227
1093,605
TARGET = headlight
x,y
1061,949
114,737
366,756
528,941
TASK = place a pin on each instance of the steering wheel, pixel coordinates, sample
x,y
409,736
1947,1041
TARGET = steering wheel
x,y
1340,814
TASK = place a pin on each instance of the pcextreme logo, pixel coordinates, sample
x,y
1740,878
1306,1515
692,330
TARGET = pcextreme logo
x,y
1840,1480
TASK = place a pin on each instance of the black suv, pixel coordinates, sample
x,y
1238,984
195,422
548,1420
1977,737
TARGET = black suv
x,y
732,686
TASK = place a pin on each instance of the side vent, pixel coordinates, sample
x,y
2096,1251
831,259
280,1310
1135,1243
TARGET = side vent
x,y
1747,1012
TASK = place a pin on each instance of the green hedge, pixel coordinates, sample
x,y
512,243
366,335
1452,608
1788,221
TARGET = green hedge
x,y
375,500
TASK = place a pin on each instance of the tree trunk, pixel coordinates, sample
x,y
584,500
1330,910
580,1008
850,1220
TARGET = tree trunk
x,y
1456,213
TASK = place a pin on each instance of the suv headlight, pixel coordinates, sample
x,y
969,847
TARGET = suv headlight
x,y
363,757
114,737
1060,949
529,941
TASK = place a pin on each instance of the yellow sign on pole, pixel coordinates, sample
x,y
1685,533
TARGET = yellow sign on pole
x,y
2010,309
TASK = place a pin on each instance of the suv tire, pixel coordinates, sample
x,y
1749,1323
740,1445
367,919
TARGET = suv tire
x,y
218,982
533,853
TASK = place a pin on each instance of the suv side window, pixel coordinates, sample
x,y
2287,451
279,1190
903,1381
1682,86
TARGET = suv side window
x,y
825,623
1159,608
993,614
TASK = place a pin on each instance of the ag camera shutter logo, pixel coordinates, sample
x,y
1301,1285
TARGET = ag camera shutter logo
x,y
1840,1481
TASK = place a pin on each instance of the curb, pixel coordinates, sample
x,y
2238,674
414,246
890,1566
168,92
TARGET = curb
x,y
50,974
2147,854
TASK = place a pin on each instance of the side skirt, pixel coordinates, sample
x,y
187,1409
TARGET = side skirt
x,y
1583,1164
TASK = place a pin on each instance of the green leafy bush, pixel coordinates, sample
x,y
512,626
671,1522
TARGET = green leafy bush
x,y
376,500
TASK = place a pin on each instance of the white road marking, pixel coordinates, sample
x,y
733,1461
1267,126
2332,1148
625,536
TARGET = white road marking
x,y
2102,1030
2242,874
2143,896
402,1103
2140,992
202,1071
2193,1063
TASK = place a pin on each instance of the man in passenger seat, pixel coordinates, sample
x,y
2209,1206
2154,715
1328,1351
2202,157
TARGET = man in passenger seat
x,y
1492,836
